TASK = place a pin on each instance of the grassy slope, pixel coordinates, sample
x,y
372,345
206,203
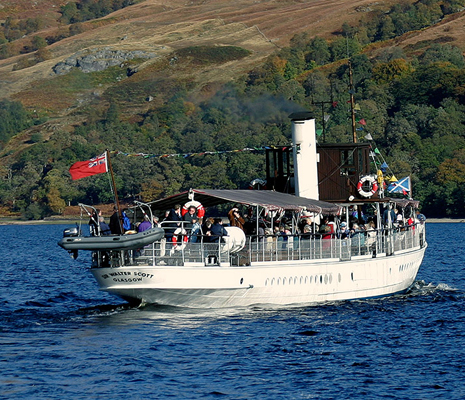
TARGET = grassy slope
x,y
164,27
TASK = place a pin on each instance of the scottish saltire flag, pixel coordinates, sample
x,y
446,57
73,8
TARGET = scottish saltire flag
x,y
94,166
401,186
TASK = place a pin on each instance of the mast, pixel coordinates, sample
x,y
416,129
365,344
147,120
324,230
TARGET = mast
x,y
118,210
352,102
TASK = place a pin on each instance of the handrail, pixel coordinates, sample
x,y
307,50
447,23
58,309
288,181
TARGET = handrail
x,y
266,248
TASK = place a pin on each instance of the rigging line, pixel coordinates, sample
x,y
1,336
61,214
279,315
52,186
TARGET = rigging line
x,y
381,156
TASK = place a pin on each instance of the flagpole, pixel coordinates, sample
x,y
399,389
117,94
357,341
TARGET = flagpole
x,y
118,211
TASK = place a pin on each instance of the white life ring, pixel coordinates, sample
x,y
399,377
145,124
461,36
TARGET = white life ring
x,y
373,186
174,239
197,205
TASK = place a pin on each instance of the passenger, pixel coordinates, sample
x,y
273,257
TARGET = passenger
x,y
115,222
358,235
191,216
165,217
389,216
282,237
104,228
304,220
307,232
174,219
398,216
144,225
261,231
94,221
218,231
358,215
250,222
371,233
156,222
269,239
235,218
206,229
343,232
192,223
126,221
420,217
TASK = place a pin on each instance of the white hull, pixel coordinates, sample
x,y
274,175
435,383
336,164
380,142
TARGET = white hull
x,y
277,282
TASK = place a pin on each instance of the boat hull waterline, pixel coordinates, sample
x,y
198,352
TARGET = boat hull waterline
x,y
279,283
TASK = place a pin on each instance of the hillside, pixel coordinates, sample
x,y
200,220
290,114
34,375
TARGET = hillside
x,y
162,27
157,64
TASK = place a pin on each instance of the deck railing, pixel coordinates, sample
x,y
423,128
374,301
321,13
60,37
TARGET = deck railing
x,y
269,248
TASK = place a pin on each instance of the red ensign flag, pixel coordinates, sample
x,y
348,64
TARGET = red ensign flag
x,y
94,166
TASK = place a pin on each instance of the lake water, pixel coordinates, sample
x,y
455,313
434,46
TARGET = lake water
x,y
61,338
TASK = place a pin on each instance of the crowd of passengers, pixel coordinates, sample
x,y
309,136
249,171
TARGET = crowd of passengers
x,y
192,228
189,227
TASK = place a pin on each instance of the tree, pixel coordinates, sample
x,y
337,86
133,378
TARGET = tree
x,y
38,42
69,13
391,70
443,52
344,48
318,52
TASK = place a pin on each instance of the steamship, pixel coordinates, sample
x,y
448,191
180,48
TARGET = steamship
x,y
274,263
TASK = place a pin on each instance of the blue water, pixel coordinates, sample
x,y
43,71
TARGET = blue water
x,y
61,338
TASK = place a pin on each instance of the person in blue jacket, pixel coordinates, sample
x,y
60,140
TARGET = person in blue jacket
x,y
218,231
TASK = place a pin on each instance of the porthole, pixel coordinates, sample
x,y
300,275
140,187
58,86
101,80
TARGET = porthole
x,y
284,281
339,277
321,278
331,278
326,279
272,282
352,275
267,281
278,281
310,279
295,280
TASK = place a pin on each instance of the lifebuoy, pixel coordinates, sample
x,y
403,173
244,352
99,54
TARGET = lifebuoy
x,y
373,186
174,239
197,205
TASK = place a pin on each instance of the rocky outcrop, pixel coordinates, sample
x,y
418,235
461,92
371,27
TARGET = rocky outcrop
x,y
99,60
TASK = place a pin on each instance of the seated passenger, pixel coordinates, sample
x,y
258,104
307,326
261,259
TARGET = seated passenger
x,y
144,225
192,224
104,228
343,232
306,233
217,231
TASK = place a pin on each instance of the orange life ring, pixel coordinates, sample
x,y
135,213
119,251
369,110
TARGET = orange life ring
x,y
373,186
197,205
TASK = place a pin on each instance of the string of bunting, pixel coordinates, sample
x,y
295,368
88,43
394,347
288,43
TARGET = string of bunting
x,y
187,155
